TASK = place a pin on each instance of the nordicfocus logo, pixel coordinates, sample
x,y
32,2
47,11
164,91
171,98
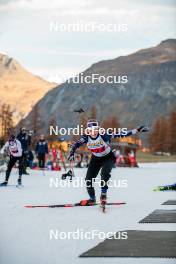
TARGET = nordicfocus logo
x,y
79,130
81,234
98,78
91,26
82,78
94,78
78,182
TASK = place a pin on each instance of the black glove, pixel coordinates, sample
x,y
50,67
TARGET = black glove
x,y
142,129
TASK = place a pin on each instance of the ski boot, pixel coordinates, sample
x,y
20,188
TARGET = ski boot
x,y
19,182
103,200
88,202
4,183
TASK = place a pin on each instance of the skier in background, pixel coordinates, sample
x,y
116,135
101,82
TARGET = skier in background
x,y
25,139
13,148
41,151
102,157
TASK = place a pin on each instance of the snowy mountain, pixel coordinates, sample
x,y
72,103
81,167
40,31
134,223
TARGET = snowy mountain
x,y
18,85
149,92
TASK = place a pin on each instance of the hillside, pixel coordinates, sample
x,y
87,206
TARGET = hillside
x,y
19,88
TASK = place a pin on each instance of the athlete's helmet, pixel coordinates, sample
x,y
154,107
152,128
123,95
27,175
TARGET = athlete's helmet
x,y
92,124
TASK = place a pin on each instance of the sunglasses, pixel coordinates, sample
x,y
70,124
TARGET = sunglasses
x,y
93,124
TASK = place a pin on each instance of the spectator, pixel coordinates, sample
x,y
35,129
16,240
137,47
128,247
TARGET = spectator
x,y
25,140
41,151
30,158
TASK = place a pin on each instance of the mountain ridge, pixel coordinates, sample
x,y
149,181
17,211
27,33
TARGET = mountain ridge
x,y
150,91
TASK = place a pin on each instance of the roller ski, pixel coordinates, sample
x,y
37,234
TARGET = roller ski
x,y
83,203
163,188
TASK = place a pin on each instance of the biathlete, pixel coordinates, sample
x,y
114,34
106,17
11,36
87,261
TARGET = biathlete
x,y
102,157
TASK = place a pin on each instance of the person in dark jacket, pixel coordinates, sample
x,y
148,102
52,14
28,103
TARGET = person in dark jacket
x,y
41,151
30,158
25,140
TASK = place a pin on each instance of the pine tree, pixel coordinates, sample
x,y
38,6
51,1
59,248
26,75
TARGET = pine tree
x,y
157,138
163,135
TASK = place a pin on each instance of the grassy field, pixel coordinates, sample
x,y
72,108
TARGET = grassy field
x,y
148,157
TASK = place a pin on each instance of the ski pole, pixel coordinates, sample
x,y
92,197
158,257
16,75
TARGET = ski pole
x,y
71,167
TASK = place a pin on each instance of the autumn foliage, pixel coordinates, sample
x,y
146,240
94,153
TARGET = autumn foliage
x,y
6,121
163,135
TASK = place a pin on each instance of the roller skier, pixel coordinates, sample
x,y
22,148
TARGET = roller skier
x,y
102,157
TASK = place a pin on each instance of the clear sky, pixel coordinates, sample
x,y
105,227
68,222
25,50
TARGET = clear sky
x,y
26,35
